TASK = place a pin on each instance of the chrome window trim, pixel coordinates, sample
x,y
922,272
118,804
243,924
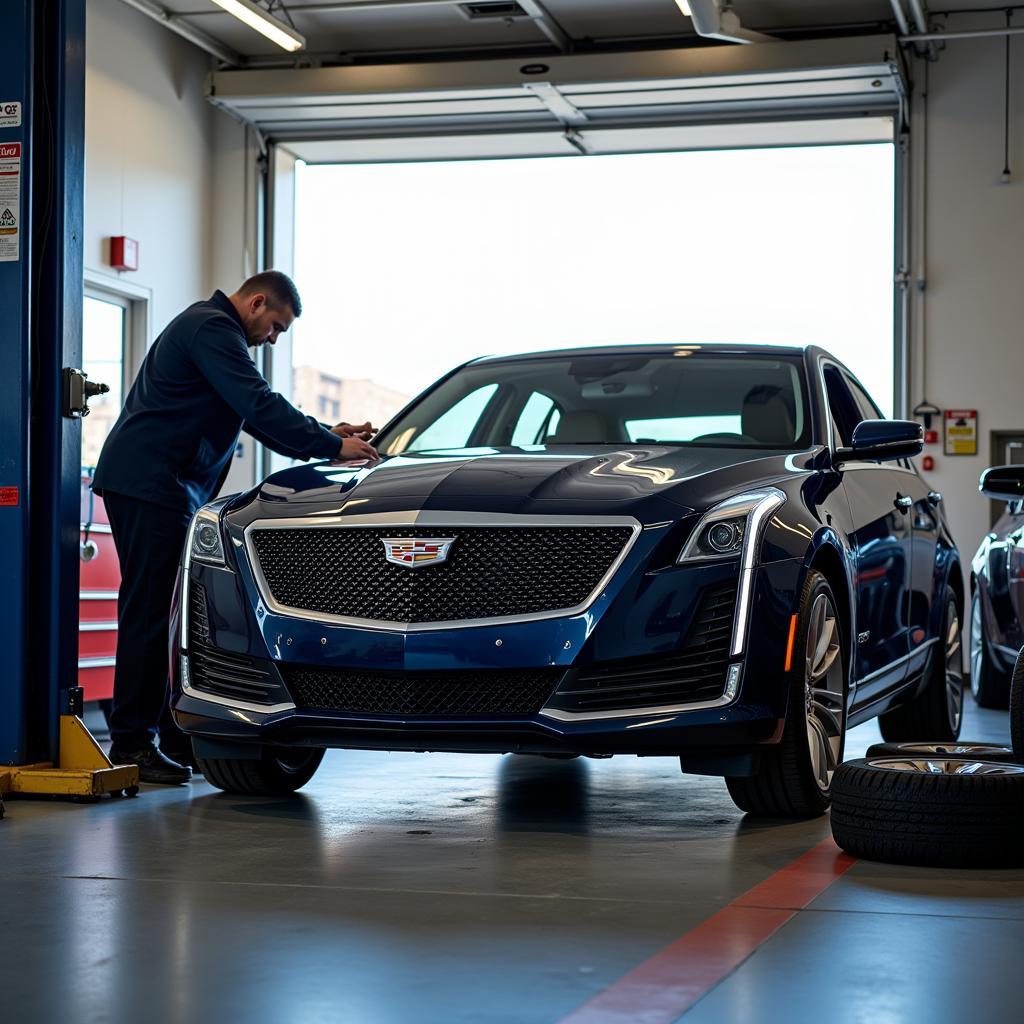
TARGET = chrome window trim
x,y
439,520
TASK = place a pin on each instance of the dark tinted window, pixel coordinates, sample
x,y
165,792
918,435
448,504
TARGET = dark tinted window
x,y
867,408
845,413
685,397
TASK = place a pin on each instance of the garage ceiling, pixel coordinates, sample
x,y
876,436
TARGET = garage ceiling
x,y
349,31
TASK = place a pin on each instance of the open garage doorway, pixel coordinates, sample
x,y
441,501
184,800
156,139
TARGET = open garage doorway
x,y
409,268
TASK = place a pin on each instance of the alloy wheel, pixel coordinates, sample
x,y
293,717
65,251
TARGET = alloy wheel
x,y
945,766
977,639
825,706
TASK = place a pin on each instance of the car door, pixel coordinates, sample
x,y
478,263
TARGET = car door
x,y
1013,627
881,508
925,584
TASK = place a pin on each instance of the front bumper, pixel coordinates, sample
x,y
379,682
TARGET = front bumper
x,y
645,614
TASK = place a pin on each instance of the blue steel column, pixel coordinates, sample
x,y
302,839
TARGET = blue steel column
x,y
55,451
40,333
15,86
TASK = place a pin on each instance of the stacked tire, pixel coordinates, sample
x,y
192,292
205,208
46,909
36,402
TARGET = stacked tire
x,y
944,804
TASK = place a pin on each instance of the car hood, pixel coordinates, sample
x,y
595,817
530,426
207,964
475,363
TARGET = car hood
x,y
651,479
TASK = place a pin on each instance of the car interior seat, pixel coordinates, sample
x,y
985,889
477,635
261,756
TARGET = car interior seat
x,y
768,416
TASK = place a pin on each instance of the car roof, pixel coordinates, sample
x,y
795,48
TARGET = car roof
x,y
656,349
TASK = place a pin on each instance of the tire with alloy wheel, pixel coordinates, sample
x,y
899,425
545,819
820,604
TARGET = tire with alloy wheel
x,y
989,687
1017,708
933,812
794,778
936,712
278,771
956,749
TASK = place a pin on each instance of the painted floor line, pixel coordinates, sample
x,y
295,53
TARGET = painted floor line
x,y
664,987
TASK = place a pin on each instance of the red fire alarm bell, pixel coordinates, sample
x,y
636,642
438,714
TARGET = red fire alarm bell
x,y
931,437
124,253
927,463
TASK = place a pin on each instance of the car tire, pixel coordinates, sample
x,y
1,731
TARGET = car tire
x,y
1017,708
959,748
276,772
936,713
793,777
989,687
930,812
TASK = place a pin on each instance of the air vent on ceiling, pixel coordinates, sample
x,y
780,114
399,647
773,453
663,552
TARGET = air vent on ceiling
x,y
493,9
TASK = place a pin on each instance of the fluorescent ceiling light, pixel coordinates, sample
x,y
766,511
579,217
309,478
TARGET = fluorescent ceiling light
x,y
266,24
684,6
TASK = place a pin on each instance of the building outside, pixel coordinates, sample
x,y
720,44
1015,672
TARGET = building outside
x,y
334,399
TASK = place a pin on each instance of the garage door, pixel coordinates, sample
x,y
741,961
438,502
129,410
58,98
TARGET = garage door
x,y
714,97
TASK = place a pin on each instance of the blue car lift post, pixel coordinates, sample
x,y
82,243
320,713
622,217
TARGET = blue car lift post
x,y
45,748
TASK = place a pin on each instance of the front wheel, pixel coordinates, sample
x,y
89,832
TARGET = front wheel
x,y
936,712
278,771
795,777
989,687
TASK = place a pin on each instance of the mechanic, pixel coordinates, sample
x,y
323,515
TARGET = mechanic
x,y
167,454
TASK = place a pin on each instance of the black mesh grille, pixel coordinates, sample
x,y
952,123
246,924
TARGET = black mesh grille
x,y
490,571
484,692
696,672
221,672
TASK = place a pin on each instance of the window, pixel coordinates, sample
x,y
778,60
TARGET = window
x,y
455,426
845,413
676,397
867,408
683,428
535,421
104,338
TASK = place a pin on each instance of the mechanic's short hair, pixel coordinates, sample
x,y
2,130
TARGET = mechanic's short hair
x,y
278,287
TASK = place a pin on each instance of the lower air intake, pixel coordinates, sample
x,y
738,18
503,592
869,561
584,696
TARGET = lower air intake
x,y
481,693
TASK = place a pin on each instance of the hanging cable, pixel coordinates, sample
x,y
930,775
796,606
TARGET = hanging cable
x,y
1006,176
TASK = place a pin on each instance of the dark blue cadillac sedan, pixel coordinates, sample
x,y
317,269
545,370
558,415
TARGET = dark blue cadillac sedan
x,y
716,553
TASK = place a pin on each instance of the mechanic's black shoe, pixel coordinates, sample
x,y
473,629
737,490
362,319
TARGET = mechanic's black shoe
x,y
154,766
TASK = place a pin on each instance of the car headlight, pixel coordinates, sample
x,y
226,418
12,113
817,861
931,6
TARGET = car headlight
x,y
205,541
733,528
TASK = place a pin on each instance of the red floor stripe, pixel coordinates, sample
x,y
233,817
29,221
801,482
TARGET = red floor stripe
x,y
670,982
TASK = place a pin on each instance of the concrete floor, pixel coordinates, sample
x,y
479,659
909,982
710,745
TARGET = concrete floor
x,y
461,888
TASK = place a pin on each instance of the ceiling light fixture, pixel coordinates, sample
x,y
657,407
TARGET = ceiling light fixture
x,y
266,24
684,6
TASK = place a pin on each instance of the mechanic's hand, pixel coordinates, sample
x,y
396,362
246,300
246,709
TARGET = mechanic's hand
x,y
361,430
356,448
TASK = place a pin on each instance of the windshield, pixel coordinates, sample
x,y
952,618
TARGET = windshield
x,y
684,397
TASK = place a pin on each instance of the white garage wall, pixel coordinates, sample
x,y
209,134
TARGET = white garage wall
x,y
975,270
163,167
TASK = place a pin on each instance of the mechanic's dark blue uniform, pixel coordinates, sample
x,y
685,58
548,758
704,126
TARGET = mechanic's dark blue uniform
x,y
167,454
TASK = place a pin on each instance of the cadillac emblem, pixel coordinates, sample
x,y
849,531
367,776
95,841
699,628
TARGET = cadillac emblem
x,y
413,552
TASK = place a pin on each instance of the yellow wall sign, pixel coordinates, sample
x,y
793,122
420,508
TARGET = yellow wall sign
x,y
961,431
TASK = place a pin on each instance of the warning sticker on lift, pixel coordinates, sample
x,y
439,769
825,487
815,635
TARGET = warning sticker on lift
x,y
10,201
8,496
10,114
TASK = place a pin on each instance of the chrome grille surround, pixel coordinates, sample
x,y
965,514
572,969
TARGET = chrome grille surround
x,y
435,520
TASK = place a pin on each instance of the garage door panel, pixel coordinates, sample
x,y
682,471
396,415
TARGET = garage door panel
x,y
737,83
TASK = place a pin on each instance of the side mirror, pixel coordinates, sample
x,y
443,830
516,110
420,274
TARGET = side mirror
x,y
879,440
1003,483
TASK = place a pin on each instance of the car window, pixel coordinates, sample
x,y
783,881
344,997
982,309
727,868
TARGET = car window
x,y
687,396
845,413
867,408
535,419
683,428
454,427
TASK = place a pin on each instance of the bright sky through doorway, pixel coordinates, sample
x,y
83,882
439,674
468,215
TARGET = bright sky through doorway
x,y
408,269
